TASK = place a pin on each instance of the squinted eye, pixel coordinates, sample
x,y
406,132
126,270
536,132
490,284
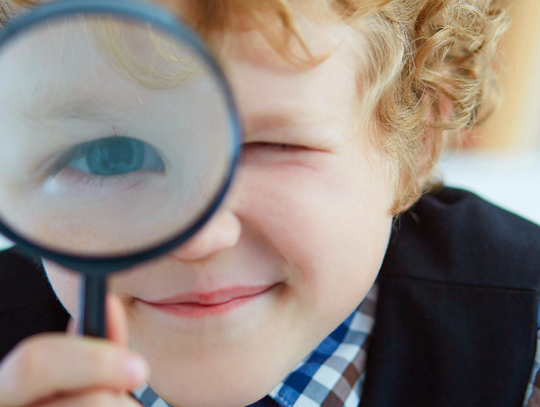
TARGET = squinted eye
x,y
274,146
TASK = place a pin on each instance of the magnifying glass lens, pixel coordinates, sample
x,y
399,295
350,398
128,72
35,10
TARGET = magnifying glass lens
x,y
115,136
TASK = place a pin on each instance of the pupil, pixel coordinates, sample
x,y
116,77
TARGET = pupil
x,y
115,155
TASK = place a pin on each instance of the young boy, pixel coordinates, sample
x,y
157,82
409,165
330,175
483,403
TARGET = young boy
x,y
346,105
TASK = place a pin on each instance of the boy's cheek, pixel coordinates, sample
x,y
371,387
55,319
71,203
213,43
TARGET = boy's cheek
x,y
66,284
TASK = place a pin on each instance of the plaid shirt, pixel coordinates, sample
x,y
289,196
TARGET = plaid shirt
x,y
333,374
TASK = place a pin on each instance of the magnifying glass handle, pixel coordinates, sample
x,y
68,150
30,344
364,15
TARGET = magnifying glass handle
x,y
93,289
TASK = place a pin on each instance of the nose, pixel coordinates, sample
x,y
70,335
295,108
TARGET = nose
x,y
221,232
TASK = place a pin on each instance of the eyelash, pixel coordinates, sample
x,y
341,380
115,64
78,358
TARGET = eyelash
x,y
275,146
82,150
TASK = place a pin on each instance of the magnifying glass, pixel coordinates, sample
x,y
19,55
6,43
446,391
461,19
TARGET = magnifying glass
x,y
119,138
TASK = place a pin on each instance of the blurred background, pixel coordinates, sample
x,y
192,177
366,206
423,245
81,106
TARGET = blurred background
x,y
501,161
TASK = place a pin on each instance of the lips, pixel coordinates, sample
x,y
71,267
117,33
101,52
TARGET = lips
x,y
198,304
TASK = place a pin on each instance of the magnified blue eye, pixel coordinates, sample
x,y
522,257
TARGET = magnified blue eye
x,y
112,156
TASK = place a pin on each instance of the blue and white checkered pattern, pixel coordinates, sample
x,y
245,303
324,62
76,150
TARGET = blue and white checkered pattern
x,y
332,375
148,398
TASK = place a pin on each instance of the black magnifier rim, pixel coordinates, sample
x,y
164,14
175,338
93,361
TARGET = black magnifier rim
x,y
163,20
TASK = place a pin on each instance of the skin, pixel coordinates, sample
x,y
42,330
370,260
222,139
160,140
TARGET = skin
x,y
312,219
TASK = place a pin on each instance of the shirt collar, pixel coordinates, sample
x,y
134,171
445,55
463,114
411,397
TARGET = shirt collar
x,y
332,375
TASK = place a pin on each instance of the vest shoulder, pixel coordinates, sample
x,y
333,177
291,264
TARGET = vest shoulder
x,y
28,304
455,236
22,281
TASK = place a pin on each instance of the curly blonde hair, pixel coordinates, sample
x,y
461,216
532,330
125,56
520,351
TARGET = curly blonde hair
x,y
431,70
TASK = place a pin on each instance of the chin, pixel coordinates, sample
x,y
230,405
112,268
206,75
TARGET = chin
x,y
231,375
228,388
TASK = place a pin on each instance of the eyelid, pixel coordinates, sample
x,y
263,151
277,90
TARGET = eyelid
x,y
54,163
76,152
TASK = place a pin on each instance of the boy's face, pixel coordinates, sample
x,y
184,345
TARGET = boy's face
x,y
304,228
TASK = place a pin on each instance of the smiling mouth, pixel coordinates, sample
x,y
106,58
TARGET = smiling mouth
x,y
197,305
